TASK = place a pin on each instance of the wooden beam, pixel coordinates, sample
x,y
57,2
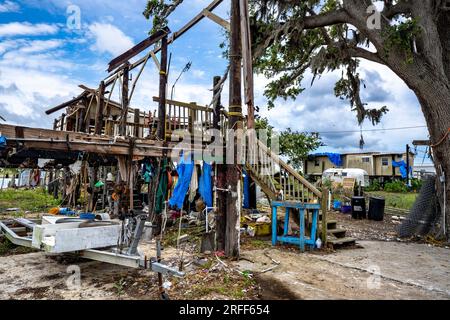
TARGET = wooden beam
x,y
65,104
125,101
100,107
162,91
233,176
247,59
220,21
190,105
421,142
155,60
123,58
61,141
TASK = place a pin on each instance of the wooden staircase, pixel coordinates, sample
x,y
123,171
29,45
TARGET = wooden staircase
x,y
272,174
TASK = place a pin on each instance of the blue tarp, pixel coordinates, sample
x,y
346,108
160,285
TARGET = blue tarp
x,y
185,170
205,185
335,158
402,166
2,142
246,191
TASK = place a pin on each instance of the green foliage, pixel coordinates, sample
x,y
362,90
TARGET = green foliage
x,y
396,186
401,37
159,11
36,200
294,145
416,185
8,248
285,51
374,186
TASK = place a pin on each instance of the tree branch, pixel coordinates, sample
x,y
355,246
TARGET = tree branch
x,y
358,52
402,7
326,19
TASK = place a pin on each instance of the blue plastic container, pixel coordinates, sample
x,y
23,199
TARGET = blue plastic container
x,y
337,205
87,216
346,209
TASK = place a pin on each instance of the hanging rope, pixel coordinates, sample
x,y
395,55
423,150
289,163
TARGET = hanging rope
x,y
442,140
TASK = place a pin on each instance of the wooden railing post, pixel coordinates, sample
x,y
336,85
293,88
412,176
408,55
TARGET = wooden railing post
x,y
324,206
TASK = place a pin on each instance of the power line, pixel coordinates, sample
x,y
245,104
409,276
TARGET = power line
x,y
369,130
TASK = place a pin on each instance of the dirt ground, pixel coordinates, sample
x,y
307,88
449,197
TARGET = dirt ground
x,y
377,270
379,267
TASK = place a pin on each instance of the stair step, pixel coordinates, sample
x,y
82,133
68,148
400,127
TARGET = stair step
x,y
338,233
342,242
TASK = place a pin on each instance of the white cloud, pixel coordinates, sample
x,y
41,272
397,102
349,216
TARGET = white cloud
x,y
41,45
26,29
9,6
110,39
25,94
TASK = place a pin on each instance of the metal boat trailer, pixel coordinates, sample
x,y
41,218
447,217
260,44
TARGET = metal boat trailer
x,y
19,231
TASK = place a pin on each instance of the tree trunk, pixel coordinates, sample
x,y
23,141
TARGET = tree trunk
x,y
436,108
433,93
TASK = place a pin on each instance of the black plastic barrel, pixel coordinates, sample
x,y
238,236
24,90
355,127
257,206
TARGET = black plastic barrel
x,y
358,208
376,208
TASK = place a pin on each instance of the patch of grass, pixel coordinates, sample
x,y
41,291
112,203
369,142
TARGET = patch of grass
x,y
230,286
36,200
397,200
7,248
119,285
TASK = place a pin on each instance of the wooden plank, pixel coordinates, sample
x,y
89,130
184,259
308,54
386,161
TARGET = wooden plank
x,y
123,58
51,140
66,104
222,22
190,105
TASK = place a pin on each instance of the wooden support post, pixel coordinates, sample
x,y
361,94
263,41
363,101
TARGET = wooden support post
x,y
136,122
63,118
324,206
235,111
162,91
82,122
125,99
220,178
100,109
55,124
247,63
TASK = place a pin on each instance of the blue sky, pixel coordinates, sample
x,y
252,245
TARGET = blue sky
x,y
42,62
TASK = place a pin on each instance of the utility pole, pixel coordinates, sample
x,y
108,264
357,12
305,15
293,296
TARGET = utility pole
x,y
235,123
221,177
407,166
162,91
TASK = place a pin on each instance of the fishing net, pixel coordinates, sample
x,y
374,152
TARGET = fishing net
x,y
425,214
